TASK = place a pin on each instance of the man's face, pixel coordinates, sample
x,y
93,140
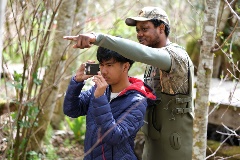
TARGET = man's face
x,y
147,34
112,71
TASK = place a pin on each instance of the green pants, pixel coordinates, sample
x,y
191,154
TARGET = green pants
x,y
168,129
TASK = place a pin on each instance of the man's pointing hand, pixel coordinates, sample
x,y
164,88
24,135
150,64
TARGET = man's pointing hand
x,y
82,40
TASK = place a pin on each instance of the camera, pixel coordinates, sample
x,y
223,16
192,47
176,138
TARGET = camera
x,y
91,68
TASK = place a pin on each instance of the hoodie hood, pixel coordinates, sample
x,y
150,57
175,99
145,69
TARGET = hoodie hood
x,y
139,86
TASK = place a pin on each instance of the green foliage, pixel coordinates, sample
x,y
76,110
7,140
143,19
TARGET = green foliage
x,y
66,142
237,7
231,50
224,151
36,80
10,153
50,151
17,80
32,110
137,69
50,154
32,155
220,35
78,126
120,29
23,143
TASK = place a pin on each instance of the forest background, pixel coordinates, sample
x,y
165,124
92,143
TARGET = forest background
x,y
37,64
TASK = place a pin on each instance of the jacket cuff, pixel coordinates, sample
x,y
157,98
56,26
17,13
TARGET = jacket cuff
x,y
100,101
73,81
99,37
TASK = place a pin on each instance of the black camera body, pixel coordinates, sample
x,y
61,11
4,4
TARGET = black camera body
x,y
91,68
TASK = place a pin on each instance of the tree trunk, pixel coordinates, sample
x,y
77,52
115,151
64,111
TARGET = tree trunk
x,y
225,21
204,75
71,63
54,73
223,18
2,13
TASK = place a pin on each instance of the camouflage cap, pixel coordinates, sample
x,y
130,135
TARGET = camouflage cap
x,y
148,13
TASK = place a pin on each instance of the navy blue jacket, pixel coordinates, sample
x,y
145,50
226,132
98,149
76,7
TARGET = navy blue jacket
x,y
111,126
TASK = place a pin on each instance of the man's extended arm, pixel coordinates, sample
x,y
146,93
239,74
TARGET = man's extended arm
x,y
158,57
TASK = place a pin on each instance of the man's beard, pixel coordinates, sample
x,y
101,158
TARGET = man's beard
x,y
154,43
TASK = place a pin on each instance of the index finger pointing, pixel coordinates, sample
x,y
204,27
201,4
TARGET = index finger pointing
x,y
73,38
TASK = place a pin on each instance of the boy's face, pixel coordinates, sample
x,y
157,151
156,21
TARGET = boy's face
x,y
112,71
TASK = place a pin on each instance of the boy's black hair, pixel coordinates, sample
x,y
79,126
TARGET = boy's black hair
x,y
104,54
157,23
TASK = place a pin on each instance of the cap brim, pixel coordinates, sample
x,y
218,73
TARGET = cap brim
x,y
131,21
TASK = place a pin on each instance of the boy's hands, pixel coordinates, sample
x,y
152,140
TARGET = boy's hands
x,y
80,74
99,81
82,40
101,85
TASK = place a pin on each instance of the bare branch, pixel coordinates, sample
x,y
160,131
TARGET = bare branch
x,y
232,132
229,36
233,12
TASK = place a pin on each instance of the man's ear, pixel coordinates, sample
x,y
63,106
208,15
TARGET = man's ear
x,y
162,28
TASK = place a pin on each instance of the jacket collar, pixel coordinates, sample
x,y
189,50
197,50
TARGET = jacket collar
x,y
139,86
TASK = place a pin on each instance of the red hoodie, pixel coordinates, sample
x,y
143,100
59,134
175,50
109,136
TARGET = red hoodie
x,y
140,86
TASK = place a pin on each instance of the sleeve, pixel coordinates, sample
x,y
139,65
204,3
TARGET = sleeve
x,y
157,57
115,131
76,101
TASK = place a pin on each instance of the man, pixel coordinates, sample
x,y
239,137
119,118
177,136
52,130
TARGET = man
x,y
169,124
114,107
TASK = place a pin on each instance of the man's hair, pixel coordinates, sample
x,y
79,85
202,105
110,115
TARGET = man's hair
x,y
157,23
104,54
